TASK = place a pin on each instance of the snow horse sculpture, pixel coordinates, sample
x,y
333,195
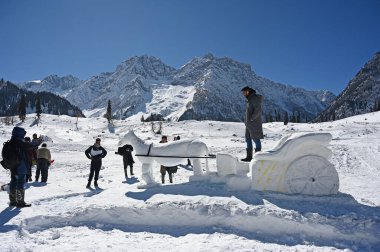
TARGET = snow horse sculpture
x,y
167,154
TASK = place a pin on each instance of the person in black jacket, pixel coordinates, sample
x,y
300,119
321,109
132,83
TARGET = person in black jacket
x,y
126,152
96,153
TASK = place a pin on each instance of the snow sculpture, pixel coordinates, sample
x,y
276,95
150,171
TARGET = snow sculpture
x,y
167,154
298,164
232,172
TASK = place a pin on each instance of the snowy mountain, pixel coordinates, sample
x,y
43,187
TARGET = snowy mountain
x,y
53,84
205,88
361,95
217,96
129,87
191,215
50,103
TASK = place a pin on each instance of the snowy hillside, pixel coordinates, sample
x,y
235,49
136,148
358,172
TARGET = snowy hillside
x,y
192,216
50,103
210,88
362,94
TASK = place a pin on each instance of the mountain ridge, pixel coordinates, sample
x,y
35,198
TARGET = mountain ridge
x,y
361,95
206,87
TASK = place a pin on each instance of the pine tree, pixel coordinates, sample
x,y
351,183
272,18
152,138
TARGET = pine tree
x,y
293,118
275,115
38,107
378,105
333,116
266,118
298,119
270,117
108,115
286,118
22,108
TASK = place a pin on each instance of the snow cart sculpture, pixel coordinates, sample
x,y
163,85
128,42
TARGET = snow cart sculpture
x,y
298,164
167,154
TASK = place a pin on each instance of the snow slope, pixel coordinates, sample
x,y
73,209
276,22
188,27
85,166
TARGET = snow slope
x,y
192,216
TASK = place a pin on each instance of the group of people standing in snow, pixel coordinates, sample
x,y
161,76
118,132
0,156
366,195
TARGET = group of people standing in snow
x,y
96,153
41,157
26,154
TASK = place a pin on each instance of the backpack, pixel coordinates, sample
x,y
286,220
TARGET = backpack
x,y
10,155
121,151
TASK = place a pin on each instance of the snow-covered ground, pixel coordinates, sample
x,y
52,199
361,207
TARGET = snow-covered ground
x,y
191,216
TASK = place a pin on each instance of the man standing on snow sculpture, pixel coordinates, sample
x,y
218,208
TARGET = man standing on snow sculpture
x,y
96,153
253,122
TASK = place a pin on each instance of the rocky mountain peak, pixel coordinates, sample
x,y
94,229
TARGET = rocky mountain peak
x,y
145,66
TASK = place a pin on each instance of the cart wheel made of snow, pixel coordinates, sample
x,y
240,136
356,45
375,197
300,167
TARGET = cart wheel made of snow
x,y
312,175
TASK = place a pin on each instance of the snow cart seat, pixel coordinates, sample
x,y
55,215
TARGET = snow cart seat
x,y
298,164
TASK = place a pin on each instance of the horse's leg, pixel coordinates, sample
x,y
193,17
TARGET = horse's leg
x,y
207,169
147,174
197,169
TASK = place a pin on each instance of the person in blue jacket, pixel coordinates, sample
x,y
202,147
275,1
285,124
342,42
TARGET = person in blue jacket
x,y
19,173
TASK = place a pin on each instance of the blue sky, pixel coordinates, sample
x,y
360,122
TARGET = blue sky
x,y
317,44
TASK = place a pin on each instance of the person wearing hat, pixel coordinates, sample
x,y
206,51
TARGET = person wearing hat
x,y
96,153
253,121
43,163
18,174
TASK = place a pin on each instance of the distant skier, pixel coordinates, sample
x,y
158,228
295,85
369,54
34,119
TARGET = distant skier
x,y
96,153
253,122
43,162
126,152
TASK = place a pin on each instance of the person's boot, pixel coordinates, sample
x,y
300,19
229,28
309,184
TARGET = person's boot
x,y
20,196
248,158
257,150
132,171
162,179
96,183
88,184
12,198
